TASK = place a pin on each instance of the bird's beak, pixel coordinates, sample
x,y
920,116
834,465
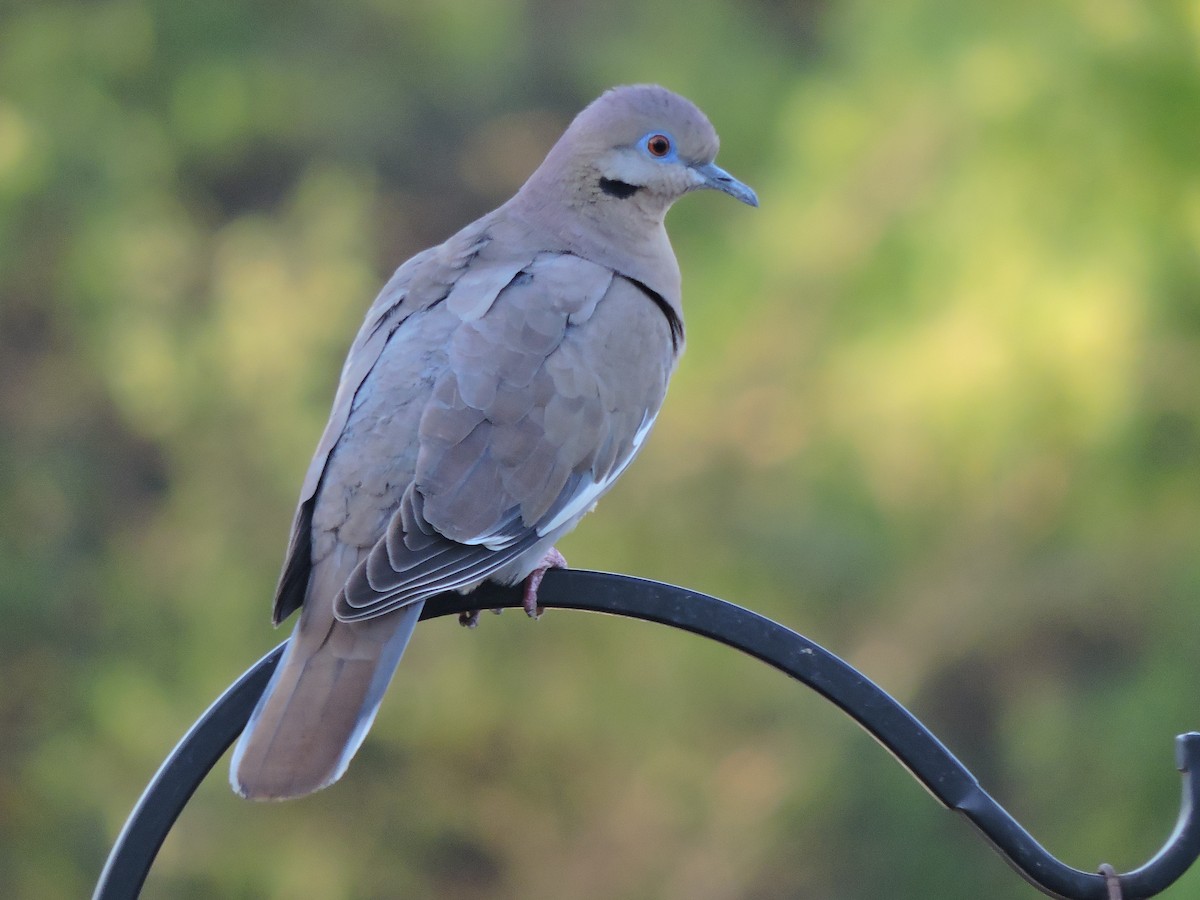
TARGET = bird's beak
x,y
713,176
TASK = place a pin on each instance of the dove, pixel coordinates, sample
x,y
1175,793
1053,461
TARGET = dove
x,y
499,385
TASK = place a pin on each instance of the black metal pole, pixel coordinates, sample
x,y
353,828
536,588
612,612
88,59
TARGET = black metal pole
x,y
882,717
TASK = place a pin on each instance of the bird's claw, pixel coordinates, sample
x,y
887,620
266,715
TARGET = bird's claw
x,y
470,618
552,560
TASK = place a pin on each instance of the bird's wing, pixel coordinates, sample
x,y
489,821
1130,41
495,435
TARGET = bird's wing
x,y
425,280
550,388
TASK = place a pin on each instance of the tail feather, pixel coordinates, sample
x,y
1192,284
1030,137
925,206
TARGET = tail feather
x,y
318,706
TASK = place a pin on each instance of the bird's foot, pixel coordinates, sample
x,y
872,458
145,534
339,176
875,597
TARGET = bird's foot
x,y
552,560
529,591
470,618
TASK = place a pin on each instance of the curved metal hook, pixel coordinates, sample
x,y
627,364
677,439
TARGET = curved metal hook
x,y
883,718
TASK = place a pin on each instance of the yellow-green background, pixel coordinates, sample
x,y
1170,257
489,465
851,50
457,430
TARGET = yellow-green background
x,y
940,411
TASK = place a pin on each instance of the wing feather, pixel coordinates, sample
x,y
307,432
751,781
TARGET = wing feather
x,y
422,282
546,398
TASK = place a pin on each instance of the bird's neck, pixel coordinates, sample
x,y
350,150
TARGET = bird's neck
x,y
626,235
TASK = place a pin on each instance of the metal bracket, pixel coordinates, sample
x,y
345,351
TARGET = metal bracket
x,y
883,718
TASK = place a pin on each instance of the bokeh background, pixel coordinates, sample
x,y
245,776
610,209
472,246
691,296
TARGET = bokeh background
x,y
940,411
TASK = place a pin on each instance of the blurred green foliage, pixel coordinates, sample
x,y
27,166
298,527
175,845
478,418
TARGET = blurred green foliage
x,y
940,411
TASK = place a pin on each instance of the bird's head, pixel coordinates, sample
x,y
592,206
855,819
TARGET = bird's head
x,y
637,147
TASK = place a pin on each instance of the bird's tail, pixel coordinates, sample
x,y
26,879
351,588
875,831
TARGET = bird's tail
x,y
319,705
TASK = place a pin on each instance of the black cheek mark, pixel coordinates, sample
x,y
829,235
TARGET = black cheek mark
x,y
618,189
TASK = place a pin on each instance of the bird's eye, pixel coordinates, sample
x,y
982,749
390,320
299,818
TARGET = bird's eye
x,y
659,145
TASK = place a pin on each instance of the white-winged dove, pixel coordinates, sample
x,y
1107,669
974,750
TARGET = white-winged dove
x,y
500,384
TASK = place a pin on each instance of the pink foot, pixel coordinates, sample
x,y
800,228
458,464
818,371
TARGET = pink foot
x,y
552,560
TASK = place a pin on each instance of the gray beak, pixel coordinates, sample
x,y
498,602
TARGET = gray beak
x,y
713,176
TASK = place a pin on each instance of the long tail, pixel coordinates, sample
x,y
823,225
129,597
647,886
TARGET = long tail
x,y
319,705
